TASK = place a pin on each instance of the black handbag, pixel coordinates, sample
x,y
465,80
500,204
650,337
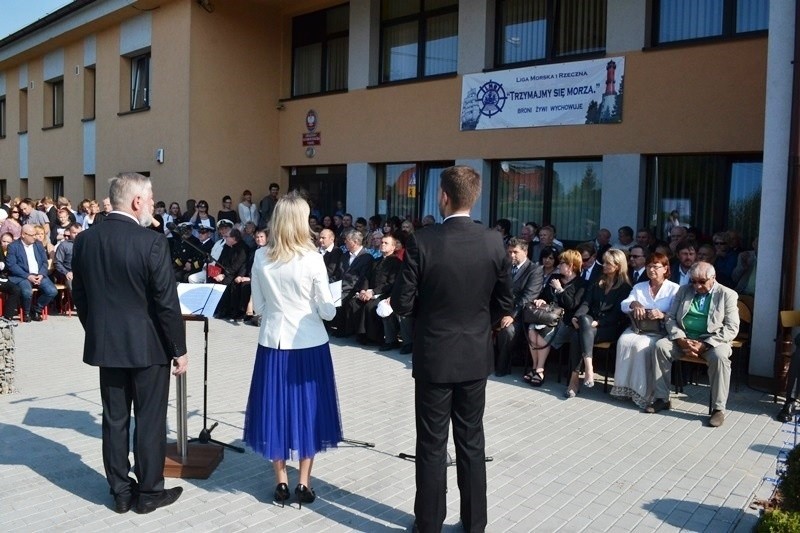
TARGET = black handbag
x,y
647,325
547,315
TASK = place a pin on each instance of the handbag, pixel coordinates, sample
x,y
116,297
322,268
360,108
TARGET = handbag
x,y
647,325
212,271
548,315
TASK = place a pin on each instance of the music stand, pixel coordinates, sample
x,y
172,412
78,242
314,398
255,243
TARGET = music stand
x,y
205,434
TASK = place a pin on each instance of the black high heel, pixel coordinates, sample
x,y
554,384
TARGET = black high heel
x,y
304,494
281,493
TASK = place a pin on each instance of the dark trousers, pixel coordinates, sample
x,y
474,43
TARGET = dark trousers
x,y
147,389
584,338
436,404
508,341
11,303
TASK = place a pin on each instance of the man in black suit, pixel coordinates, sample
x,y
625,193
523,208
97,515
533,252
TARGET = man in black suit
x,y
527,278
636,262
354,269
591,269
331,254
127,301
456,279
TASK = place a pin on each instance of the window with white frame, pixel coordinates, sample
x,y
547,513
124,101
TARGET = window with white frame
x,y
140,82
419,38
320,45
685,20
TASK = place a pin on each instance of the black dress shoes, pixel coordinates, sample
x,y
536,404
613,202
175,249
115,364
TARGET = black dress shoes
x,y
407,349
167,497
123,503
787,412
36,316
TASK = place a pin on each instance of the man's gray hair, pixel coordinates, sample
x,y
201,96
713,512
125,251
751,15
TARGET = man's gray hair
x,y
353,235
123,188
702,269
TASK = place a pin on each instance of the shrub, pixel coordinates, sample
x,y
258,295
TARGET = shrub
x,y
790,482
778,521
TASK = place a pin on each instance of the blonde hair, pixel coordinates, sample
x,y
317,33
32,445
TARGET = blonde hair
x,y
617,258
289,234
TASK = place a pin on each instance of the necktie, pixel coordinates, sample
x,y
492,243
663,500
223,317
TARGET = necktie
x,y
635,277
586,274
514,270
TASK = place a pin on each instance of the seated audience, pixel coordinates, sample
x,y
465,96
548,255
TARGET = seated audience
x,y
706,253
64,255
27,264
624,239
598,319
686,252
548,258
648,300
602,241
702,322
636,262
354,268
331,254
565,290
726,258
233,261
11,291
12,224
376,287
591,270
186,257
227,210
526,279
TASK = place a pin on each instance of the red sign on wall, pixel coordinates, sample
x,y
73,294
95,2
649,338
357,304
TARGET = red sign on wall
x,y
312,139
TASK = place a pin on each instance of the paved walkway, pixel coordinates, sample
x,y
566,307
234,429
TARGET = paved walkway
x,y
586,464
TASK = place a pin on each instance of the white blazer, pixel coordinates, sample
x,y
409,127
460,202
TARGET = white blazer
x,y
293,298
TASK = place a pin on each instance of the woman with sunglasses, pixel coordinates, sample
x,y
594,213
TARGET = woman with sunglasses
x,y
201,216
12,224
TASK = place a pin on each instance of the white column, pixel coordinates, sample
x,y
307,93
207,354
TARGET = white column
x,y
475,35
483,206
623,184
362,64
360,189
777,124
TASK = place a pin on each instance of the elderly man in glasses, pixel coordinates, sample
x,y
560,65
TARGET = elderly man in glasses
x,y
702,321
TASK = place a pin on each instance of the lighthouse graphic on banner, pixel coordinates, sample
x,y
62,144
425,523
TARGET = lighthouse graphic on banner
x,y
608,105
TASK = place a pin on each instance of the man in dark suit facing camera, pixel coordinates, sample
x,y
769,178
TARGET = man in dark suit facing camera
x,y
456,280
127,301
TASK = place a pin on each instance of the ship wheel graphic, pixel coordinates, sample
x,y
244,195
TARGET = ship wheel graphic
x,y
492,97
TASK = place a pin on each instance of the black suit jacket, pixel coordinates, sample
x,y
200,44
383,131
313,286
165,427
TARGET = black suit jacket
x,y
456,274
382,278
126,295
331,260
353,275
595,275
526,286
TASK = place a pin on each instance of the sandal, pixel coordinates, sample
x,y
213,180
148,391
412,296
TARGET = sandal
x,y
537,378
528,376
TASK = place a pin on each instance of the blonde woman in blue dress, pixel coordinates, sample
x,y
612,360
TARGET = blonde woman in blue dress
x,y
292,410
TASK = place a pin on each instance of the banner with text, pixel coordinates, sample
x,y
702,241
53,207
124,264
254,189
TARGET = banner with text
x,y
582,92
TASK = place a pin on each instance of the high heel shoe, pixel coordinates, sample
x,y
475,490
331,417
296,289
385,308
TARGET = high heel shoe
x,y
281,493
304,494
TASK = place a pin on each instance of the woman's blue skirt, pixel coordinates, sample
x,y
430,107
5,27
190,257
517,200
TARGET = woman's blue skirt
x,y
293,410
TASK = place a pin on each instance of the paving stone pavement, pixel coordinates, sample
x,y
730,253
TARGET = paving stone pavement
x,y
587,464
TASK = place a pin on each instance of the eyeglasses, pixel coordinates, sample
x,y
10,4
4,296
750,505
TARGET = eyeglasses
x,y
29,234
15,212
202,206
655,267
